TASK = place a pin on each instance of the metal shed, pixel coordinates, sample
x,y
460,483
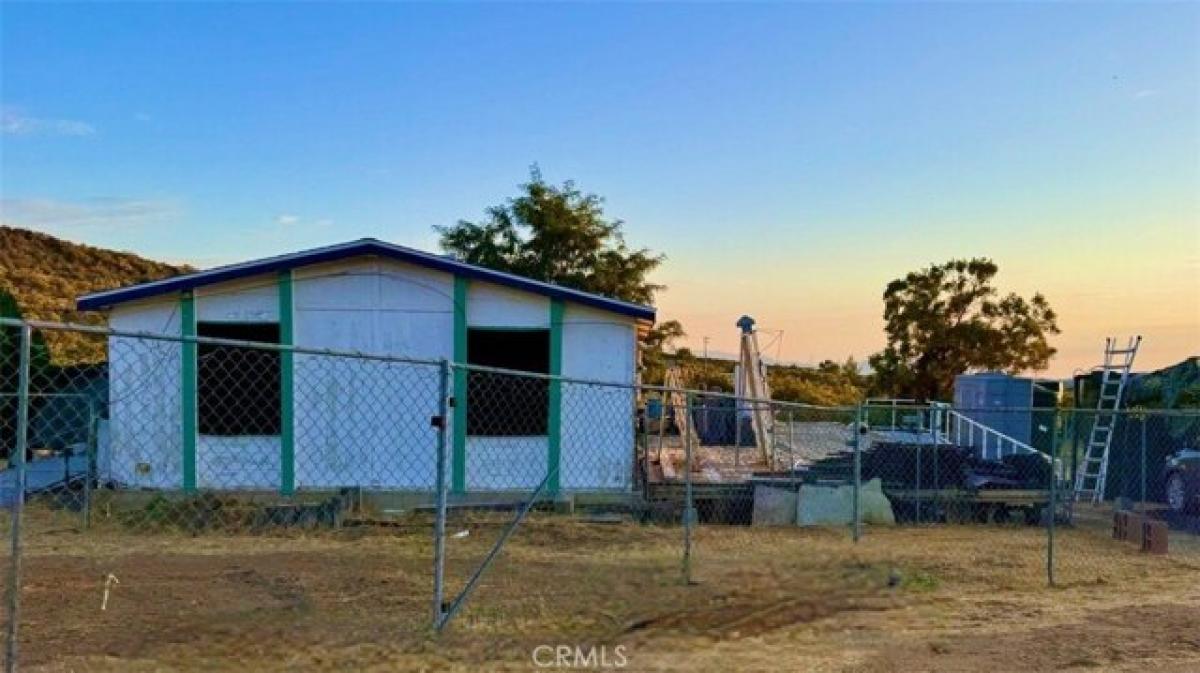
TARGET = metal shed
x,y
322,431
1007,404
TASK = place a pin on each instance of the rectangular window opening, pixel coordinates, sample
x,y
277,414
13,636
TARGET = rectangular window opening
x,y
238,387
508,405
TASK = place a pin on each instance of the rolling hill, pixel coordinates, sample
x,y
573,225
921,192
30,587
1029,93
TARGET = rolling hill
x,y
44,274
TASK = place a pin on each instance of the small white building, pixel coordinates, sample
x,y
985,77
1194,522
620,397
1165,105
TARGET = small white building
x,y
185,416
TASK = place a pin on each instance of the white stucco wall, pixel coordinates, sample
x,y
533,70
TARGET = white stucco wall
x,y
597,426
145,409
491,305
246,300
362,421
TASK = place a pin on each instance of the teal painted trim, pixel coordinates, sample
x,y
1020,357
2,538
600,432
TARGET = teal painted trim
x,y
189,385
287,388
554,423
458,462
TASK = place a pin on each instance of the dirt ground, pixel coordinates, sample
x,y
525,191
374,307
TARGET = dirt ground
x,y
939,598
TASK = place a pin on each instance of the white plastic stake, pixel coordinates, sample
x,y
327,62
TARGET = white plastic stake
x,y
108,584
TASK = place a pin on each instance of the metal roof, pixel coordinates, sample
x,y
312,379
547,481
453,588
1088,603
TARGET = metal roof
x,y
359,248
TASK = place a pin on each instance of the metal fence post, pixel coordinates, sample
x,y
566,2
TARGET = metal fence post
x,y
858,427
791,441
935,419
939,419
1051,515
645,432
14,569
1143,485
918,484
662,423
439,523
737,431
689,507
1074,444
90,470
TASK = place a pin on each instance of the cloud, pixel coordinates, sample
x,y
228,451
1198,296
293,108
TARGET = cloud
x,y
1145,93
295,222
14,122
102,212
286,228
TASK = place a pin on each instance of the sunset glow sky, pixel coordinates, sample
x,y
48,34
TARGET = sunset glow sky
x,y
789,159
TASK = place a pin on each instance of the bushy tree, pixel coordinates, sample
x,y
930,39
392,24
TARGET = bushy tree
x,y
560,235
820,391
829,384
849,371
948,319
655,345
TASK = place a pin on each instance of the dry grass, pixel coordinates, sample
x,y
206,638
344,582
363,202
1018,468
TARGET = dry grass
x,y
936,598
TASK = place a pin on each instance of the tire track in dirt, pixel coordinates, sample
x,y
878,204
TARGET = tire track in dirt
x,y
735,620
1163,636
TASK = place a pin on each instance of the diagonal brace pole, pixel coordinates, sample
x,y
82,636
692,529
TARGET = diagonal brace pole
x,y
511,528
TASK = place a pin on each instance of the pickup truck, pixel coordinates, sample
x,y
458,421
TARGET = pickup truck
x,y
1181,474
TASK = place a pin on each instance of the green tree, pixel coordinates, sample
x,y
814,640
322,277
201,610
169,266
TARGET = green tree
x,y
829,383
10,347
663,335
560,235
10,369
655,344
948,319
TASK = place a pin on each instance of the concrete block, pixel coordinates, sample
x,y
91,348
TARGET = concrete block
x,y
1120,525
834,505
1154,536
564,504
773,506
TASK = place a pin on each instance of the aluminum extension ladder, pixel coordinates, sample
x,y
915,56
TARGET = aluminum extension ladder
x,y
1093,473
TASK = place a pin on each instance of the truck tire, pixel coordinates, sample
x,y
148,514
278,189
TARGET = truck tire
x,y
1178,498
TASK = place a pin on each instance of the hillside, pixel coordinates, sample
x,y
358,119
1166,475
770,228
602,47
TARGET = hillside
x,y
45,274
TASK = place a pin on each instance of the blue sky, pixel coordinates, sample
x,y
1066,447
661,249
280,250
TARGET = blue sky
x,y
789,159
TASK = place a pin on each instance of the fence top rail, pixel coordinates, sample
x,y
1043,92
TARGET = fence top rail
x,y
379,357
180,338
867,405
82,396
1078,411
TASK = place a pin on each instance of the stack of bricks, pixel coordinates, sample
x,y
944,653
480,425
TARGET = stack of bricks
x,y
1149,534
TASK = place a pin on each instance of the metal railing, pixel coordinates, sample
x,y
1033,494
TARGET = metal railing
x,y
978,435
894,405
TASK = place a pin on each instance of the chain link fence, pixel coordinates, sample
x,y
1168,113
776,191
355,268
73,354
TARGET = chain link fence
x,y
198,502
1062,511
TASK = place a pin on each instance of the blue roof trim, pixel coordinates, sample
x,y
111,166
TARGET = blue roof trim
x,y
367,246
